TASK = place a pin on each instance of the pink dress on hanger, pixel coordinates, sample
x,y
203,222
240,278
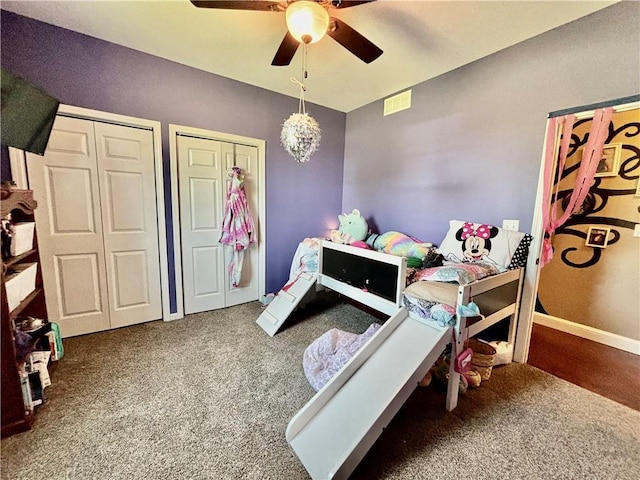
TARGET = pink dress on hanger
x,y
238,229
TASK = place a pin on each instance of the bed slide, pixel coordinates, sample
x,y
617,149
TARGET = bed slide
x,y
285,302
337,427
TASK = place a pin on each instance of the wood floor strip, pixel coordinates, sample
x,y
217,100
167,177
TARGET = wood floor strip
x,y
607,371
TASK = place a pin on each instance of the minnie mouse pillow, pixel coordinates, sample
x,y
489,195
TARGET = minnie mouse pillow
x,y
479,242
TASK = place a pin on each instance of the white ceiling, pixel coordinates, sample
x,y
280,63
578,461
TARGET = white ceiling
x,y
421,39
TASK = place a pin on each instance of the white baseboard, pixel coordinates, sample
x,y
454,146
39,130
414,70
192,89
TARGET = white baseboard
x,y
611,339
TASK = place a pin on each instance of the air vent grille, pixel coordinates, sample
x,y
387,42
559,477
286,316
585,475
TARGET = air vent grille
x,y
397,103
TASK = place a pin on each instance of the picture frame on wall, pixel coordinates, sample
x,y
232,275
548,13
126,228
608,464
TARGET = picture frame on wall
x,y
610,162
598,237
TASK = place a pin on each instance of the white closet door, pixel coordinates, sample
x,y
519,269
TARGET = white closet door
x,y
203,166
68,218
97,226
130,226
202,192
246,157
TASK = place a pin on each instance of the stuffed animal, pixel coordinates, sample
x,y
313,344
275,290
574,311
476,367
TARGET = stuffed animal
x,y
397,243
426,380
473,378
353,228
440,372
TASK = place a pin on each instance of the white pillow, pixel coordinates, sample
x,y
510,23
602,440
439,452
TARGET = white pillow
x,y
477,242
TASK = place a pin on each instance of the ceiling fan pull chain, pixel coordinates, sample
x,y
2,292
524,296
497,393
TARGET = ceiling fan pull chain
x,y
304,77
304,62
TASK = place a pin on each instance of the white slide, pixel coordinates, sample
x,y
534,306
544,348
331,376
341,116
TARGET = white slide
x,y
337,427
281,307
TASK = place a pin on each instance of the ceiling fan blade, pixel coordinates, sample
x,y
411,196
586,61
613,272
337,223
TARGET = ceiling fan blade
x,y
264,5
349,3
286,51
346,36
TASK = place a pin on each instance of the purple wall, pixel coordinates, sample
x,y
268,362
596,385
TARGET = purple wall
x,y
471,144
91,73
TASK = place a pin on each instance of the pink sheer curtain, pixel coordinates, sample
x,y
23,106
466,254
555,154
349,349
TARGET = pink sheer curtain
x,y
591,155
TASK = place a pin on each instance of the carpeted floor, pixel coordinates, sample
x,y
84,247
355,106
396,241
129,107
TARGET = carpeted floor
x,y
210,396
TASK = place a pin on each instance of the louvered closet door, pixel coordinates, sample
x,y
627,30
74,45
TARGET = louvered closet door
x,y
130,227
97,225
69,222
203,166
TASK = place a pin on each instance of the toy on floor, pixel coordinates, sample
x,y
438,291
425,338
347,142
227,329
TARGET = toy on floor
x,y
426,380
504,352
440,372
473,379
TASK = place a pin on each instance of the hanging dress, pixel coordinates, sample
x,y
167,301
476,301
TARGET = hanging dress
x,y
238,229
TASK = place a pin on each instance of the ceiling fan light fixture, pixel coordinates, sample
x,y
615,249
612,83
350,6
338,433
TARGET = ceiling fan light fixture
x,y
307,21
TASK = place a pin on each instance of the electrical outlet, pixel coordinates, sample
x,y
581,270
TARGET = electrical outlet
x,y
511,225
636,230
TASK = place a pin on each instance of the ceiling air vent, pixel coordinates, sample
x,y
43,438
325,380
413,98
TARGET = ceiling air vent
x,y
398,102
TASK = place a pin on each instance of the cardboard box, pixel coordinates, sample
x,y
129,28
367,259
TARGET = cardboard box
x,y
22,240
20,283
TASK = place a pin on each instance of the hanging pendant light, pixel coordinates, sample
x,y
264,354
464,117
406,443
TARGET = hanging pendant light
x,y
301,134
307,21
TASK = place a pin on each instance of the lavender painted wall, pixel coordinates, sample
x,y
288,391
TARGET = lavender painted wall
x,y
471,144
91,73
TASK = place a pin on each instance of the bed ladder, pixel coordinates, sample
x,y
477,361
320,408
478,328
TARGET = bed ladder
x,y
286,301
336,428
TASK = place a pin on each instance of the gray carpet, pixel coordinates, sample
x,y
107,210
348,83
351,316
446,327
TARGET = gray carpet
x,y
210,396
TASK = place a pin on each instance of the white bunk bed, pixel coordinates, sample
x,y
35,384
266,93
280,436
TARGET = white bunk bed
x,y
336,428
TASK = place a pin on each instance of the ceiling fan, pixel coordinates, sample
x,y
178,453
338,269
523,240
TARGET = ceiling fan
x,y
307,22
